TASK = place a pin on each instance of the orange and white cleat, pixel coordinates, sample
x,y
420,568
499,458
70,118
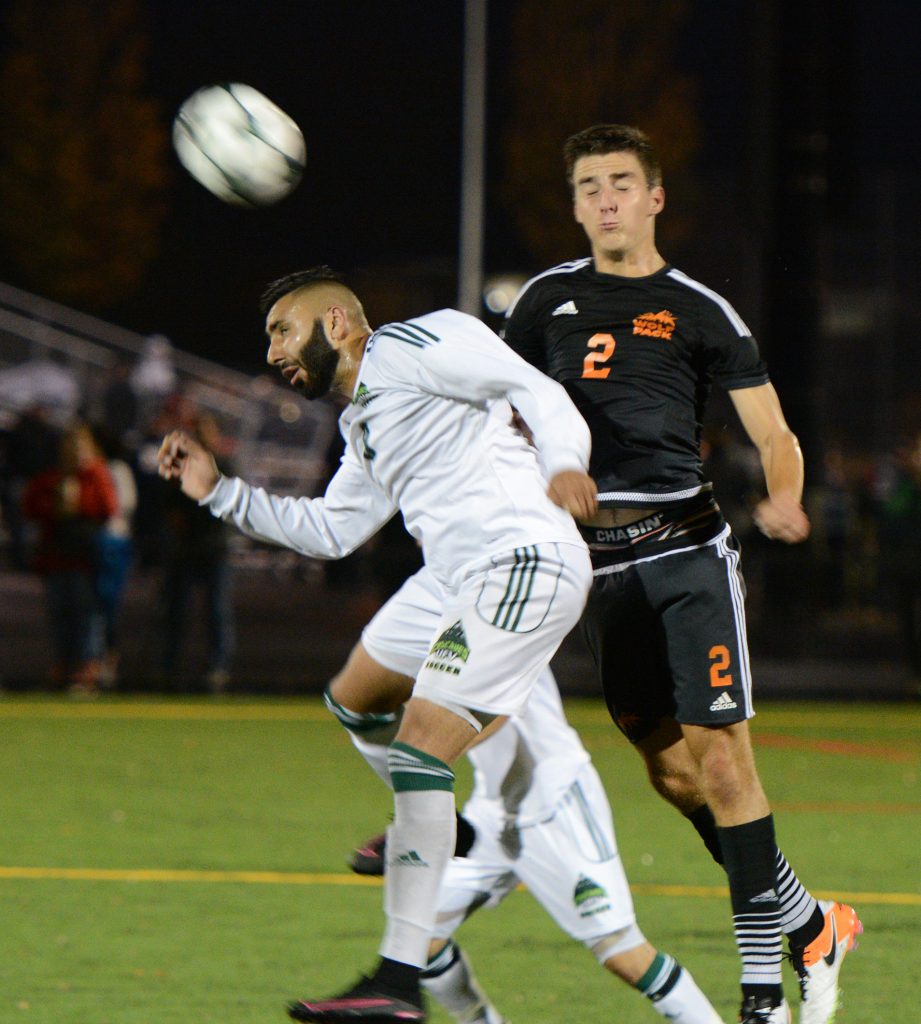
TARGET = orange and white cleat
x,y
819,964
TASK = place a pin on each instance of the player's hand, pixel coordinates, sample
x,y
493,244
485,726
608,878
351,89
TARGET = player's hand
x,y
576,492
182,458
782,518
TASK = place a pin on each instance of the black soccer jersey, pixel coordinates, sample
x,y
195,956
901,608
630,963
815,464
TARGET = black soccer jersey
x,y
637,356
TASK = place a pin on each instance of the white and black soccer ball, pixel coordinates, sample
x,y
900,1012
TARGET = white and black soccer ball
x,y
239,144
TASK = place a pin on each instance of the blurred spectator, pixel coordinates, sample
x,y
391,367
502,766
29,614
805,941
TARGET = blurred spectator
x,y
196,556
70,502
120,403
30,446
175,411
900,546
48,381
837,519
114,555
735,469
154,378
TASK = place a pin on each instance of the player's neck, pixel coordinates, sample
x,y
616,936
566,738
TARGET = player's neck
x,y
628,263
352,352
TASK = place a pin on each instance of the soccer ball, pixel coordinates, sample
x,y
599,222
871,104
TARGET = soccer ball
x,y
239,145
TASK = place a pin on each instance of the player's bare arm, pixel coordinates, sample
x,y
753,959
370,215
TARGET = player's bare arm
x,y
182,458
780,516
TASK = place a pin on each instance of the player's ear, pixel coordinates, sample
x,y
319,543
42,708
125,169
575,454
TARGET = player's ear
x,y
338,323
656,200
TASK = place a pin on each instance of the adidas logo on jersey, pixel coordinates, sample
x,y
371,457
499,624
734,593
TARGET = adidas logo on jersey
x,y
723,703
564,309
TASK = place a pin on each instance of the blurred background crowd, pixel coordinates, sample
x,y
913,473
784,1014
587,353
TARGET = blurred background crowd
x,y
138,588
786,130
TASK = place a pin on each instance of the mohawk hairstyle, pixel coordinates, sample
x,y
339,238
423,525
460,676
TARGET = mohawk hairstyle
x,y
321,274
613,138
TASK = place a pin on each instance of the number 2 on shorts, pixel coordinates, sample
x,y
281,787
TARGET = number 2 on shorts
x,y
719,666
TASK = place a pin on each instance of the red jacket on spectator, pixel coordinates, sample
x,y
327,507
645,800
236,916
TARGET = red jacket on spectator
x,y
69,506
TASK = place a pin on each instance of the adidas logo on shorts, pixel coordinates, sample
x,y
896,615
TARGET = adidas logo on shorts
x,y
723,703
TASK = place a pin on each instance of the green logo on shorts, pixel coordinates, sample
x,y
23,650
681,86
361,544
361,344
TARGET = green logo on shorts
x,y
450,646
590,897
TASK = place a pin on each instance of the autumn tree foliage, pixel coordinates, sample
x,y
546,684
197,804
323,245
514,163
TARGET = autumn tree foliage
x,y
579,63
83,152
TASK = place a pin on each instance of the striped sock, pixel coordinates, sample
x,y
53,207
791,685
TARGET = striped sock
x,y
797,906
750,854
674,993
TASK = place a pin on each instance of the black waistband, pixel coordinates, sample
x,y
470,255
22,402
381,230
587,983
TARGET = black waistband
x,y
684,524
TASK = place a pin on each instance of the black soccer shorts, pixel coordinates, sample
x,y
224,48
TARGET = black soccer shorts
x,y
667,634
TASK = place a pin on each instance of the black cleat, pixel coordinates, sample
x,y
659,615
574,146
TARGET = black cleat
x,y
366,1002
370,857
762,1010
465,838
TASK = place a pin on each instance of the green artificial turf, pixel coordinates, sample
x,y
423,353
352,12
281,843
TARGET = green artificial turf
x,y
184,862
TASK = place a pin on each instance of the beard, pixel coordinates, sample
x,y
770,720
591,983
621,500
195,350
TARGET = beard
x,y
320,360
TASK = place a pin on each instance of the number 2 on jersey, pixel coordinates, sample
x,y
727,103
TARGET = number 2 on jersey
x,y
591,365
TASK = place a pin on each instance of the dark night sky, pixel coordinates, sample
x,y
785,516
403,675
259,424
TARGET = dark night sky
x,y
378,99
376,88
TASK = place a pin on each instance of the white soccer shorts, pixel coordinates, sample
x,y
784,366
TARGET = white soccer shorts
x,y
569,862
483,647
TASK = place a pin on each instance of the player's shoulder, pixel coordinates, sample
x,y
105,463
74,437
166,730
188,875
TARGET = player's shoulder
x,y
542,286
422,332
710,302
399,346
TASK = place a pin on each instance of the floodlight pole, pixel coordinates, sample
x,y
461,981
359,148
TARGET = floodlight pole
x,y
470,261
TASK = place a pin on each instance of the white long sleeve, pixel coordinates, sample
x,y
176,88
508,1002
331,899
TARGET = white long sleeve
x,y
428,432
331,526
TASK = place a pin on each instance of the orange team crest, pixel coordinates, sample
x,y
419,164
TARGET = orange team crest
x,y
655,325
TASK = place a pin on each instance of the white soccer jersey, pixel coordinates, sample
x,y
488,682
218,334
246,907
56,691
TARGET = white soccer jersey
x,y
424,435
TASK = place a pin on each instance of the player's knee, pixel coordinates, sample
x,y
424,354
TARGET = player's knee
x,y
679,788
435,948
610,949
675,779
378,729
364,686
727,766
672,770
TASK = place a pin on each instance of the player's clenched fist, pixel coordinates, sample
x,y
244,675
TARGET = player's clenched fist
x,y
182,458
576,492
782,518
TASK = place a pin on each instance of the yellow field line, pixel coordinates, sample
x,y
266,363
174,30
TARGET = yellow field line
x,y
171,712
310,878
582,712
183,875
